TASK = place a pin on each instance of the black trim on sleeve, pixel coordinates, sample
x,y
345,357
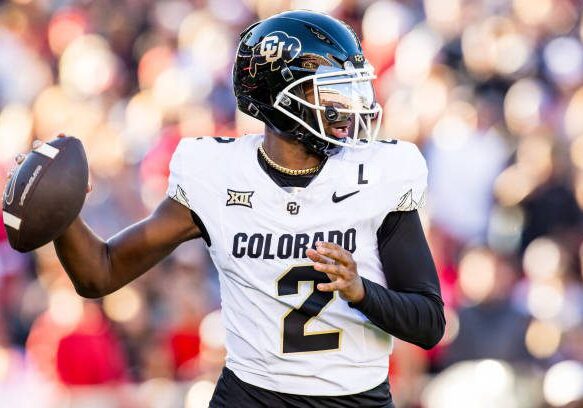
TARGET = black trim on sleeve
x,y
411,307
203,231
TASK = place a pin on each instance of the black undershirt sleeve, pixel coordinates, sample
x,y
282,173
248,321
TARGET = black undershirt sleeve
x,y
411,307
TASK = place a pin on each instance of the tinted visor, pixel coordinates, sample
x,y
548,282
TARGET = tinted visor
x,y
343,94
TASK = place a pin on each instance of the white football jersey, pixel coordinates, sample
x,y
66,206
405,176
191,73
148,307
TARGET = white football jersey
x,y
282,334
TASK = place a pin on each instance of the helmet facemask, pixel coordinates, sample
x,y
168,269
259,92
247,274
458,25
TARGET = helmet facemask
x,y
340,102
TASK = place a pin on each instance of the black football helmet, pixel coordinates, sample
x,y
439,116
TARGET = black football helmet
x,y
279,57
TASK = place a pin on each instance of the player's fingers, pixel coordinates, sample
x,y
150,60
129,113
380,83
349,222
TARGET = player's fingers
x,y
335,252
313,255
317,257
36,144
333,269
61,135
89,188
331,287
19,158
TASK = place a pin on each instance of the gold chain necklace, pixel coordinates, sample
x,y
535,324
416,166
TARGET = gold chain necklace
x,y
285,170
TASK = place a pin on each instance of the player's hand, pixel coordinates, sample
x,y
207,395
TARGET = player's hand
x,y
20,158
337,263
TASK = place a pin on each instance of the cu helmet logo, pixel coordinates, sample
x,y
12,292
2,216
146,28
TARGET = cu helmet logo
x,y
274,48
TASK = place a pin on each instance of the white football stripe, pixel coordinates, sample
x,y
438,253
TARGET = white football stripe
x,y
47,150
11,221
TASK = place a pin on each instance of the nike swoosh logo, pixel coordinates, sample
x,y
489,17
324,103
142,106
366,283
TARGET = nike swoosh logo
x,y
337,199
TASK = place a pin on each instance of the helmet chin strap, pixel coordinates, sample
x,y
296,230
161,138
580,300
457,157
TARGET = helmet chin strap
x,y
312,143
320,147
315,144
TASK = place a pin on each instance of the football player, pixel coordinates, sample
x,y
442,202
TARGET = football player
x,y
312,225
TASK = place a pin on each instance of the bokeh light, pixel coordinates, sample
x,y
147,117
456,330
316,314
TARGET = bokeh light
x,y
545,301
444,15
563,383
172,88
532,13
159,393
573,120
4,363
143,120
123,305
415,53
563,58
154,61
170,14
480,384
513,52
199,395
384,21
430,98
65,307
325,6
456,126
542,338
209,45
400,121
65,27
212,330
477,270
523,104
542,259
577,152
87,66
15,130
452,327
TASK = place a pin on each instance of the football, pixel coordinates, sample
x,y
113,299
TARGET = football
x,y
45,193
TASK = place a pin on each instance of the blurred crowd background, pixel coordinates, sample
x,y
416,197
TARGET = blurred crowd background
x,y
490,90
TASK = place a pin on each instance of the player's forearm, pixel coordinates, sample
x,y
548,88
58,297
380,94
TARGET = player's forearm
x,y
84,256
99,267
411,308
413,317
136,250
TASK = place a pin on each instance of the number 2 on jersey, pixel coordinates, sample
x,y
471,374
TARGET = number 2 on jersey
x,y
295,339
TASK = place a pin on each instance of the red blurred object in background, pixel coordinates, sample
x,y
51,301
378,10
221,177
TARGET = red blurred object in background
x,y
87,354
2,230
185,345
154,170
64,27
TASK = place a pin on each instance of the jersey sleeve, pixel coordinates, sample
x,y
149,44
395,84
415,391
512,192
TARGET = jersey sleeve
x,y
195,180
177,181
411,191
